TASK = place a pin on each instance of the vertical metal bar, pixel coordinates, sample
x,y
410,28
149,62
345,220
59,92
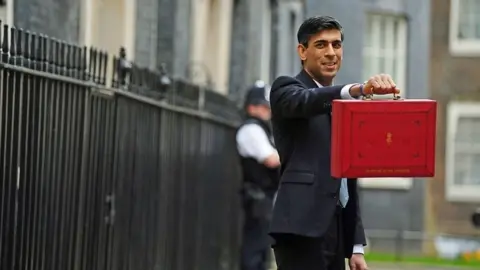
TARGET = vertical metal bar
x,y
13,147
19,185
60,196
72,176
48,180
26,214
6,233
94,192
182,131
77,179
22,184
3,121
40,123
100,183
88,247
66,156
78,120
83,183
28,154
111,167
113,184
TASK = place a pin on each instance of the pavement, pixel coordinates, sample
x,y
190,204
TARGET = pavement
x,y
409,266
395,266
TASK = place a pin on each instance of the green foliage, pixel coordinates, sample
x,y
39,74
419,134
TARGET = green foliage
x,y
430,261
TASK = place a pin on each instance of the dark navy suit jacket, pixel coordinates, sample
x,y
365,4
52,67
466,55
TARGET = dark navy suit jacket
x,y
308,194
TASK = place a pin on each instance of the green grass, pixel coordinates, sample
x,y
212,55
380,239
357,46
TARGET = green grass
x,y
430,261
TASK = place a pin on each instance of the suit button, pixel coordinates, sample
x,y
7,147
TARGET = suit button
x,y
335,197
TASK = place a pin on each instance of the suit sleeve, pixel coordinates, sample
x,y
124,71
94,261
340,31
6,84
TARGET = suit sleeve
x,y
291,99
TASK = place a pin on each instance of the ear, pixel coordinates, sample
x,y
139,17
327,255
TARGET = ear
x,y
302,52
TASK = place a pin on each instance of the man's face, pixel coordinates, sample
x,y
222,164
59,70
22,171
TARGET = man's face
x,y
323,55
261,111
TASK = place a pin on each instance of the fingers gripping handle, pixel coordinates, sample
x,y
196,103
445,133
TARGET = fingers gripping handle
x,y
370,96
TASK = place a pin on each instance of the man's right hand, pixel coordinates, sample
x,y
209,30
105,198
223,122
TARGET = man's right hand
x,y
381,84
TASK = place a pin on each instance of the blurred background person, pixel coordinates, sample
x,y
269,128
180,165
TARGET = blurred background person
x,y
260,163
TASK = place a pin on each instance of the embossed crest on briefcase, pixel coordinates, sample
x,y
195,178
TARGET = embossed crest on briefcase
x,y
383,138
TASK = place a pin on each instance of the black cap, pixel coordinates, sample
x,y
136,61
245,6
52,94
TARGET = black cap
x,y
257,94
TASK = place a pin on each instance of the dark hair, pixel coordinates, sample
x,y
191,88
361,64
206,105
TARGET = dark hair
x,y
313,25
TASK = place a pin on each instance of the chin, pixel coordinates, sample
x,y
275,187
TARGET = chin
x,y
329,74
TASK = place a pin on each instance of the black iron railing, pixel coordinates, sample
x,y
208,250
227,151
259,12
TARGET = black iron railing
x,y
140,175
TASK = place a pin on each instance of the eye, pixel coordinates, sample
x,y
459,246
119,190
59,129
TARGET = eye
x,y
337,45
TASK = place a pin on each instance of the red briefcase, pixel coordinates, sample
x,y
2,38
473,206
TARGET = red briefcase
x,y
383,138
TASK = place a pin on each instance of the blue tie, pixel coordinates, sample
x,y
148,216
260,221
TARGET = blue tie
x,y
344,192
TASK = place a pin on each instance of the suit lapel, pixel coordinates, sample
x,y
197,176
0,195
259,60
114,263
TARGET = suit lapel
x,y
306,79
310,83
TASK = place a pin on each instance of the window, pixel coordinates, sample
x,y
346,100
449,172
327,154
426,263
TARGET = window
x,y
266,41
463,152
385,48
6,12
108,25
291,14
385,51
273,41
465,27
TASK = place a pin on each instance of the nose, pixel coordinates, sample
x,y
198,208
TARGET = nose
x,y
329,50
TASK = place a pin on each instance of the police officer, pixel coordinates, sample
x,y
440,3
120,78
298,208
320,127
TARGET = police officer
x,y
260,163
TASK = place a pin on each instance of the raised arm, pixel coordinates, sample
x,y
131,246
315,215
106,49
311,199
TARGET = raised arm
x,y
289,98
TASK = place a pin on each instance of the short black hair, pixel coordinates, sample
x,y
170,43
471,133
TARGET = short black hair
x,y
314,25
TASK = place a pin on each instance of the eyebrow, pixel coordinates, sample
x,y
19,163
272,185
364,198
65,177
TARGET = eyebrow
x,y
320,41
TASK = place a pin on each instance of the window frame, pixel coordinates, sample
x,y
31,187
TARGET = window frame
x,y
453,192
391,183
460,47
87,24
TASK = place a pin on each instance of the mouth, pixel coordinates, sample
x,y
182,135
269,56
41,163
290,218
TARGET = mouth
x,y
330,64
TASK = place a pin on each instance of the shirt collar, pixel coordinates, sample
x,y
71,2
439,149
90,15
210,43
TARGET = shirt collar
x,y
318,84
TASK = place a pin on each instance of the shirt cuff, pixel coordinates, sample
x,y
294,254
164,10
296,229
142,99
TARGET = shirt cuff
x,y
358,249
345,92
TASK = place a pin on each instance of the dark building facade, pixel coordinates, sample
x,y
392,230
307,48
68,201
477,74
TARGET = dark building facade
x,y
455,60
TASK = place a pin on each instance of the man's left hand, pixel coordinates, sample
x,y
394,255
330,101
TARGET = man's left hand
x,y
357,262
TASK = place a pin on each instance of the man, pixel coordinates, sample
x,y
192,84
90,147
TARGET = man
x,y
260,162
316,219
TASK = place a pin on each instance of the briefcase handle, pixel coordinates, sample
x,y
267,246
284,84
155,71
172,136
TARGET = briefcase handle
x,y
370,97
